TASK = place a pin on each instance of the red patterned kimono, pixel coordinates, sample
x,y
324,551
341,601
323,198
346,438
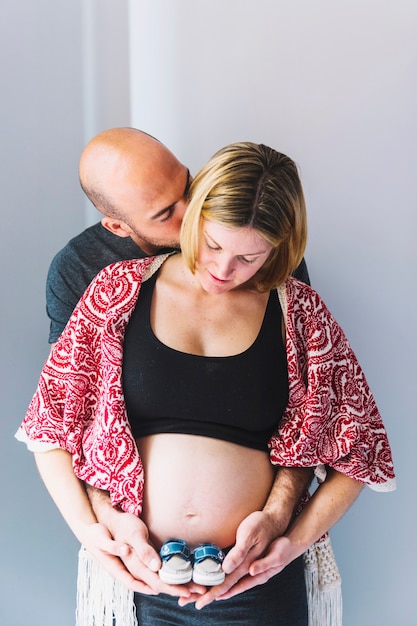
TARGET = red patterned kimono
x,y
331,419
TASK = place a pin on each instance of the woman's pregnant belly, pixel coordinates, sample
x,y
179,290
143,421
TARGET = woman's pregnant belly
x,y
199,489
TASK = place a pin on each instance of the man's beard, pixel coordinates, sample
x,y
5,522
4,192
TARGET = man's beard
x,y
152,246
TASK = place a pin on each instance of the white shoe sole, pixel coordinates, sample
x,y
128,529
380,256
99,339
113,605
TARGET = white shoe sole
x,y
208,573
176,571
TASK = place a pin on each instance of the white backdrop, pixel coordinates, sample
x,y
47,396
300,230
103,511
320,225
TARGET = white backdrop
x,y
334,85
330,82
64,77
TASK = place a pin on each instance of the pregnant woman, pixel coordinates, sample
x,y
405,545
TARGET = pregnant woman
x,y
182,381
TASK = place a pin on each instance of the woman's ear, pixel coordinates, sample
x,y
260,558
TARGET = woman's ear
x,y
117,227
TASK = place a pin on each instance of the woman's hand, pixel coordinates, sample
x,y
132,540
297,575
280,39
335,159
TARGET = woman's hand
x,y
98,541
255,533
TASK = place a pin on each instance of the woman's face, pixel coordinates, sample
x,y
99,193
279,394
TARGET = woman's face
x,y
228,257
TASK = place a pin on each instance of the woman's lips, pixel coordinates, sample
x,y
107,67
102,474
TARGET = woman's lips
x,y
218,280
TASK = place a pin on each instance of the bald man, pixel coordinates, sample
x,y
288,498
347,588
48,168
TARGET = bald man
x,y
141,189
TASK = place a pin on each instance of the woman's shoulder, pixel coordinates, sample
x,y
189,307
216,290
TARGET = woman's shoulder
x,y
133,270
305,302
118,284
299,291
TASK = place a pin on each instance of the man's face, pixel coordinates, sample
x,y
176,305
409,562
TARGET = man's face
x,y
154,216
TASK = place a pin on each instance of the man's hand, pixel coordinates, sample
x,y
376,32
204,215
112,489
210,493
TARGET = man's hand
x,y
254,535
244,565
256,556
252,571
127,553
330,501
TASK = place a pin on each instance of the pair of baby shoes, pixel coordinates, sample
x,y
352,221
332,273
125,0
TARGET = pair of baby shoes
x,y
179,565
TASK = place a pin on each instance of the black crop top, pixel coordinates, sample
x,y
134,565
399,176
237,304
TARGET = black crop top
x,y
237,398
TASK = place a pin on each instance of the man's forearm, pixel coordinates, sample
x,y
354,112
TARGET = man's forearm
x,y
126,528
290,485
101,505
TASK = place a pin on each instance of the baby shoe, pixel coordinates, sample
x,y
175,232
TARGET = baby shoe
x,y
176,562
208,560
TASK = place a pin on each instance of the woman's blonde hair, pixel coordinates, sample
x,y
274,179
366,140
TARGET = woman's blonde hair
x,y
250,185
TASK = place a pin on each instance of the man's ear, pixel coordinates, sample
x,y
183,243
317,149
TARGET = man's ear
x,y
117,227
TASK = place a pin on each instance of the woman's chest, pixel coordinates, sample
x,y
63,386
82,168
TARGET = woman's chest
x,y
222,326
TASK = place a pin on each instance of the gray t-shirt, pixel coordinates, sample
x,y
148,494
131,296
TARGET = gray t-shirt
x,y
74,267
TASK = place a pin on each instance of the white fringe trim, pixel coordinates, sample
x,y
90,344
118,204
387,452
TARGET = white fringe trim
x,y
324,585
100,598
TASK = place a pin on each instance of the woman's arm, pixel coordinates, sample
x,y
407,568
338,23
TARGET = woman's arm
x,y
332,499
69,495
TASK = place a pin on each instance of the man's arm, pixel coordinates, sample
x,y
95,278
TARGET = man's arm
x,y
69,495
138,558
62,290
260,552
257,531
130,532
289,488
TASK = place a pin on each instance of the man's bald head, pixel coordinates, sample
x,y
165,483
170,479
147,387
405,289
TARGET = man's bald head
x,y
138,184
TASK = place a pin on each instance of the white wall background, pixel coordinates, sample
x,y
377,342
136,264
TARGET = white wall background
x,y
64,77
330,82
41,136
334,85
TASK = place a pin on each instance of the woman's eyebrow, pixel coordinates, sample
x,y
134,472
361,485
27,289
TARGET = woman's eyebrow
x,y
241,254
